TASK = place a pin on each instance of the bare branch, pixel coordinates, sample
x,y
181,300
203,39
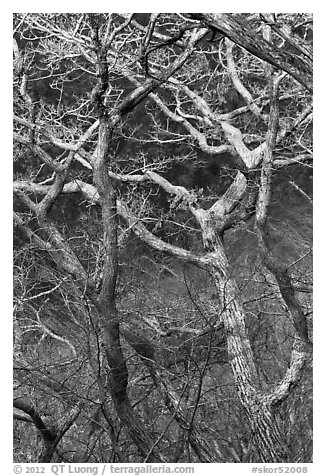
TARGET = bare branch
x,y
238,84
239,32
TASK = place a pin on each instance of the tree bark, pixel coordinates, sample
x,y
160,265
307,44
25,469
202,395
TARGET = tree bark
x,y
235,28
106,304
268,442
267,438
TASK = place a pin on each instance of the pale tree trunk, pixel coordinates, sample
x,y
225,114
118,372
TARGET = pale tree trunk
x,y
267,442
266,436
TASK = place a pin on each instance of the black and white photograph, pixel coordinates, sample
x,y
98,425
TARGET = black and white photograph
x,y
163,233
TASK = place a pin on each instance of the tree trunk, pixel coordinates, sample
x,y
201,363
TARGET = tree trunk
x,y
268,443
106,304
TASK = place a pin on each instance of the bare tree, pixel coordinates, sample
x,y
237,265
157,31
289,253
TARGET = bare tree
x,y
72,135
